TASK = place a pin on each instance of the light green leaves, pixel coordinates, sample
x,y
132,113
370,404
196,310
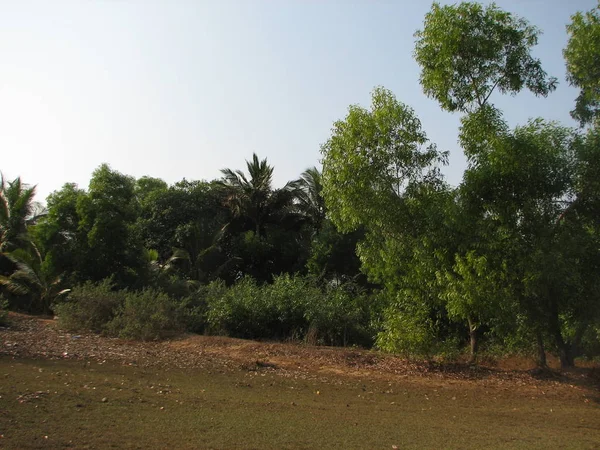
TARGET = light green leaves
x,y
582,55
467,50
372,159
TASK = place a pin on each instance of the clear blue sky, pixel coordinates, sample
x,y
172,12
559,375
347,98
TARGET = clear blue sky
x,y
178,88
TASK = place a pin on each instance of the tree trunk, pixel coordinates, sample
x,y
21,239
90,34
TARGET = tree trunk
x,y
473,340
564,351
541,359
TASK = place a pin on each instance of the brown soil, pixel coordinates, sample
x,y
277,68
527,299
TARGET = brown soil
x,y
33,337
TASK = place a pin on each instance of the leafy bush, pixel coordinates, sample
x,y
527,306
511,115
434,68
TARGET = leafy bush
x,y
342,315
148,315
290,307
240,310
90,306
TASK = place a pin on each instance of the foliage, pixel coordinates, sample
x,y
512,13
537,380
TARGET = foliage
x,y
17,212
583,68
147,315
372,159
467,50
89,307
107,214
287,308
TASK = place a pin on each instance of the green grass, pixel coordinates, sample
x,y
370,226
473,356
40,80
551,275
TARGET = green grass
x,y
59,404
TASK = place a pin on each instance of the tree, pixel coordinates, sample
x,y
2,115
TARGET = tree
x,y
107,215
374,160
266,229
146,186
17,213
253,201
310,198
530,190
58,236
582,56
18,251
167,215
380,174
466,51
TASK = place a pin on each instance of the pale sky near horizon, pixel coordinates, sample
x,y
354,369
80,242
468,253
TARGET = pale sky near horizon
x,y
181,89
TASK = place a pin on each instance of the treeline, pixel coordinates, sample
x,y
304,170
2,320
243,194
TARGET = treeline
x,y
376,250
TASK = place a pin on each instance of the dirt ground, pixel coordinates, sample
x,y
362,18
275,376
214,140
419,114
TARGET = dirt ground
x,y
33,337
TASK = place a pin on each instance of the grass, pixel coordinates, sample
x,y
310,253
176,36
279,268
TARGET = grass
x,y
75,404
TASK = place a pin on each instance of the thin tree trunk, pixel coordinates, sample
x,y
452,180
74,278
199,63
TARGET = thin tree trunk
x,y
473,340
564,350
541,359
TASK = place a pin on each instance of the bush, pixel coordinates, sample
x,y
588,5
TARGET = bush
x,y
342,315
148,315
240,310
289,308
90,306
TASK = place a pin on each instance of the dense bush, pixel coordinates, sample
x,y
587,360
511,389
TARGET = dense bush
x,y
288,308
147,315
240,310
89,306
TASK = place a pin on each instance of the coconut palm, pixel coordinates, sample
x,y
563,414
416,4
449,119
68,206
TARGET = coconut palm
x,y
17,212
30,281
253,201
310,200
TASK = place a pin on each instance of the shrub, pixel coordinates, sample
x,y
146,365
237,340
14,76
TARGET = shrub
x,y
90,306
240,310
148,315
289,308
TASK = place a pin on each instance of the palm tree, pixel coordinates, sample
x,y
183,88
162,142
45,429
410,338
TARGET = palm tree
x,y
31,281
17,212
253,201
20,260
310,200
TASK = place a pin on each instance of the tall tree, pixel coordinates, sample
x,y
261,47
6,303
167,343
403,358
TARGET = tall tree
x,y
466,51
582,55
253,201
17,213
310,196
381,174
107,214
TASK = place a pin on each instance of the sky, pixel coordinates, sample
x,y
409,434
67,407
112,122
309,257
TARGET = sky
x,y
181,89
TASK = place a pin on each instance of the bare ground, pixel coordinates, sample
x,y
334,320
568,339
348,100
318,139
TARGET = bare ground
x,y
33,337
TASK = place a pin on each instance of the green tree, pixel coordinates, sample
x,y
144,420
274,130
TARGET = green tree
x,y
17,214
267,229
58,236
466,51
381,175
582,56
533,194
107,214
253,201
310,198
